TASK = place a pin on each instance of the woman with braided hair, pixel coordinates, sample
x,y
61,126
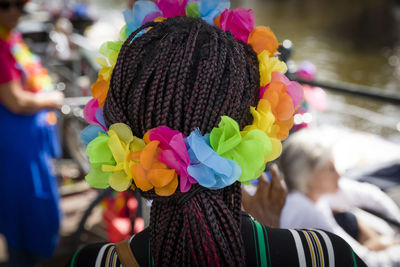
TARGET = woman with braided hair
x,y
173,126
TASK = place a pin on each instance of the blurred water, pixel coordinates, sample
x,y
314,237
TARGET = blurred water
x,y
328,34
350,41
320,33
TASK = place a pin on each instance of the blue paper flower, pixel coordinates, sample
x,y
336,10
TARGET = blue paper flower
x,y
90,133
210,9
207,167
100,118
136,17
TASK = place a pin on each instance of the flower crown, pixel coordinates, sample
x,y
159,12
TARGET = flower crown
x,y
215,160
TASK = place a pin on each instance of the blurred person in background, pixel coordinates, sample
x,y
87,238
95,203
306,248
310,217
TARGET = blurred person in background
x,y
318,198
29,211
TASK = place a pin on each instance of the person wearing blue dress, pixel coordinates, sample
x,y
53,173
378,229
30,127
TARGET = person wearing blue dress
x,y
29,208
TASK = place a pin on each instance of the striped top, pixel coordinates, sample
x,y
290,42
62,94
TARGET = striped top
x,y
264,247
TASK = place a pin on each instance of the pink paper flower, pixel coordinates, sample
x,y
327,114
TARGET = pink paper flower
x,y
239,21
294,89
89,113
173,153
262,91
172,8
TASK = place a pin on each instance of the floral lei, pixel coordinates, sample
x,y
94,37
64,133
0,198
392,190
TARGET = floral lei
x,y
34,76
215,160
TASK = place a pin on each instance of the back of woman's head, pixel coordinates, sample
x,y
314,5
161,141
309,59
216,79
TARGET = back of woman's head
x,y
184,74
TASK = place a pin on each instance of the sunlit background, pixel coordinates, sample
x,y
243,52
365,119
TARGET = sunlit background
x,y
348,41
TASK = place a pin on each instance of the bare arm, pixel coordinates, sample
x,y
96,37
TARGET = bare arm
x,y
23,102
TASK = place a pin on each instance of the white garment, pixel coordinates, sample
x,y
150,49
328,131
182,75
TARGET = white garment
x,y
352,194
300,212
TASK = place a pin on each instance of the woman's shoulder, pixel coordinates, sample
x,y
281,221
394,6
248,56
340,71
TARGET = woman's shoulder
x,y
105,254
266,246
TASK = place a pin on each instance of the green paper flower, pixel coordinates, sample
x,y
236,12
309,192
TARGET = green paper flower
x,y
248,151
99,153
192,10
108,155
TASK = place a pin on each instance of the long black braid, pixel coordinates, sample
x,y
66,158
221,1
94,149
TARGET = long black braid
x,y
184,73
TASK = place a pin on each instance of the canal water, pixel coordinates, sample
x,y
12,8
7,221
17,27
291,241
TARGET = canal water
x,y
347,41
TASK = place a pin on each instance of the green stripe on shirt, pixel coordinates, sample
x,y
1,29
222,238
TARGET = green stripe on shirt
x,y
261,242
74,257
255,243
267,242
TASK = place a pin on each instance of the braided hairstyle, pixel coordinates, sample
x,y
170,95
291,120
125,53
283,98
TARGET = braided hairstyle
x,y
184,73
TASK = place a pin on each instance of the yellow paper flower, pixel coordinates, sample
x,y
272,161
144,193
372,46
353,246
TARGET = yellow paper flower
x,y
121,143
106,68
110,51
264,120
267,65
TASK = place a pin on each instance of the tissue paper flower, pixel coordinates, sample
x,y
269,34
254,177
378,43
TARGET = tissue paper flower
x,y
207,167
173,153
110,50
280,101
142,12
149,173
172,8
264,120
121,144
192,10
294,89
267,65
100,90
210,9
99,153
248,151
284,127
262,38
90,133
89,113
239,21
108,155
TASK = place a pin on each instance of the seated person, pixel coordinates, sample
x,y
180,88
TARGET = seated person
x,y
312,180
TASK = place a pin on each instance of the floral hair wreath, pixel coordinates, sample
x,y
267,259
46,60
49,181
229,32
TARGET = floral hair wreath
x,y
215,160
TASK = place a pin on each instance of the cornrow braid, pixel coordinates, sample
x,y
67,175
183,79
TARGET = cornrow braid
x,y
186,74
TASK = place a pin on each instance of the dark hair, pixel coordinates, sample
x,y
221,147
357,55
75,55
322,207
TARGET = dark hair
x,y
184,73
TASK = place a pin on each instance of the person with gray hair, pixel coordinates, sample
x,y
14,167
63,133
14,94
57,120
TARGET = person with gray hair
x,y
306,153
308,167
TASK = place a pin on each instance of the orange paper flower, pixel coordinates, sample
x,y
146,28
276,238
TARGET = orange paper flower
x,y
281,102
217,21
100,90
149,173
283,128
262,38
